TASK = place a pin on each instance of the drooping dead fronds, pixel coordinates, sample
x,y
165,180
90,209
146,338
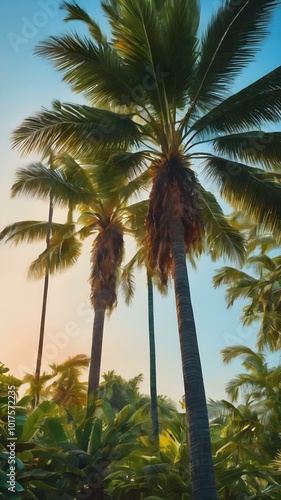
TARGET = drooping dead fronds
x,y
174,195
107,254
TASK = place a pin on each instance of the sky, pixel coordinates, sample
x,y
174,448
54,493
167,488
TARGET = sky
x,y
27,84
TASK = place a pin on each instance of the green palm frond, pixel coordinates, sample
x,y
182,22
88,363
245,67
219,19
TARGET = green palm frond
x,y
127,279
75,363
228,45
77,176
261,263
27,231
37,180
136,186
265,241
230,275
136,213
269,333
91,220
78,129
254,106
95,70
130,164
64,253
242,284
232,352
76,13
255,147
222,238
179,37
247,189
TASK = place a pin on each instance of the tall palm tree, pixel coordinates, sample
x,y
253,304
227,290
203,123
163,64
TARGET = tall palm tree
x,y
137,214
161,88
45,182
104,218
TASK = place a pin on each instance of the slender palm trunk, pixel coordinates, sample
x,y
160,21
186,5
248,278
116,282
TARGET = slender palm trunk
x,y
44,303
201,463
152,354
95,363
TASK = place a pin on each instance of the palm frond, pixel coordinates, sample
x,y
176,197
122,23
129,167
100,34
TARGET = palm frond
x,y
255,147
27,231
138,40
178,28
137,213
76,13
76,175
90,220
127,279
136,185
78,129
253,106
232,352
228,45
94,70
64,253
222,238
260,263
38,181
129,164
247,189
230,275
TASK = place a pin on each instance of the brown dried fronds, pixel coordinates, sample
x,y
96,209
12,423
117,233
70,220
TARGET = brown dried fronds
x,y
174,195
107,255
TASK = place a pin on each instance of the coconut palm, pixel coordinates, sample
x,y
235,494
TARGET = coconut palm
x,y
137,222
260,386
62,248
263,289
159,87
66,388
104,216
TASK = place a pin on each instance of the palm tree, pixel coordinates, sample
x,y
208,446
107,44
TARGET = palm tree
x,y
264,293
66,388
137,222
156,83
260,386
104,218
62,248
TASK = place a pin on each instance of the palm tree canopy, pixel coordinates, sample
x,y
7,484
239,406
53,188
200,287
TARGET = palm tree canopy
x,y
186,119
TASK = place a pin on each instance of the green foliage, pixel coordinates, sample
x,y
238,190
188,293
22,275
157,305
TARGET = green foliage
x,y
263,291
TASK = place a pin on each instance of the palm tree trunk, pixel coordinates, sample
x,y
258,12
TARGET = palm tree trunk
x,y
152,354
95,363
44,303
201,463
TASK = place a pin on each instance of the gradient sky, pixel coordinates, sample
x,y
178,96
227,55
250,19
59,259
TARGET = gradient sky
x,y
27,83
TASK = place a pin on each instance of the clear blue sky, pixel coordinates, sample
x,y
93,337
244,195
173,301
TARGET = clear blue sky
x,y
28,83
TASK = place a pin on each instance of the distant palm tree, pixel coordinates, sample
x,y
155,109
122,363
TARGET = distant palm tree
x,y
260,386
161,95
66,388
263,289
45,182
137,223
